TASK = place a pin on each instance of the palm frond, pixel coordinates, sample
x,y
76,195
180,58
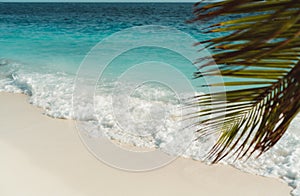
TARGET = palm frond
x,y
260,47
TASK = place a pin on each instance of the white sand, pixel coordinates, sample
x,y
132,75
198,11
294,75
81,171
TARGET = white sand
x,y
42,156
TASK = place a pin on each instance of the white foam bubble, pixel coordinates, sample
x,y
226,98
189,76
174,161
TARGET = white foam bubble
x,y
282,161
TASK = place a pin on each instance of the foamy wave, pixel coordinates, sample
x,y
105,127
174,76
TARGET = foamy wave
x,y
282,161
53,93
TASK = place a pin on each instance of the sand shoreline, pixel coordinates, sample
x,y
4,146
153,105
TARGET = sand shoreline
x,y
44,156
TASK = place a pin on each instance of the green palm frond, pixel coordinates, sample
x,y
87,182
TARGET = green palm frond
x,y
258,55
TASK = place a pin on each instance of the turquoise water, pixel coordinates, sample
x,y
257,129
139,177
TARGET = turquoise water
x,y
42,46
61,35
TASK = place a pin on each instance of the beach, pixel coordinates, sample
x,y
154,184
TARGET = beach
x,y
45,156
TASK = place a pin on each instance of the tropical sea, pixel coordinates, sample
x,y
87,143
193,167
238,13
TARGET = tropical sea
x,y
43,45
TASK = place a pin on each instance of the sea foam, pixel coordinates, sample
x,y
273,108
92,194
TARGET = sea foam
x,y
53,93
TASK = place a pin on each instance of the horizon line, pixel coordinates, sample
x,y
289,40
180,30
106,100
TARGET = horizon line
x,y
97,2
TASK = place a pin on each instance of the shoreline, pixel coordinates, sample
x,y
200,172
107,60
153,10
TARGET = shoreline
x,y
44,156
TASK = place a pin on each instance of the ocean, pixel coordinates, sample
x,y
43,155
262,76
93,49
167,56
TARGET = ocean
x,y
44,47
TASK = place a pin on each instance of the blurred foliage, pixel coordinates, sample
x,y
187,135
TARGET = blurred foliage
x,y
259,55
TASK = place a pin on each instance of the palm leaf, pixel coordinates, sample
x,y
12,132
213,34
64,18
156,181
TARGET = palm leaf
x,y
261,48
